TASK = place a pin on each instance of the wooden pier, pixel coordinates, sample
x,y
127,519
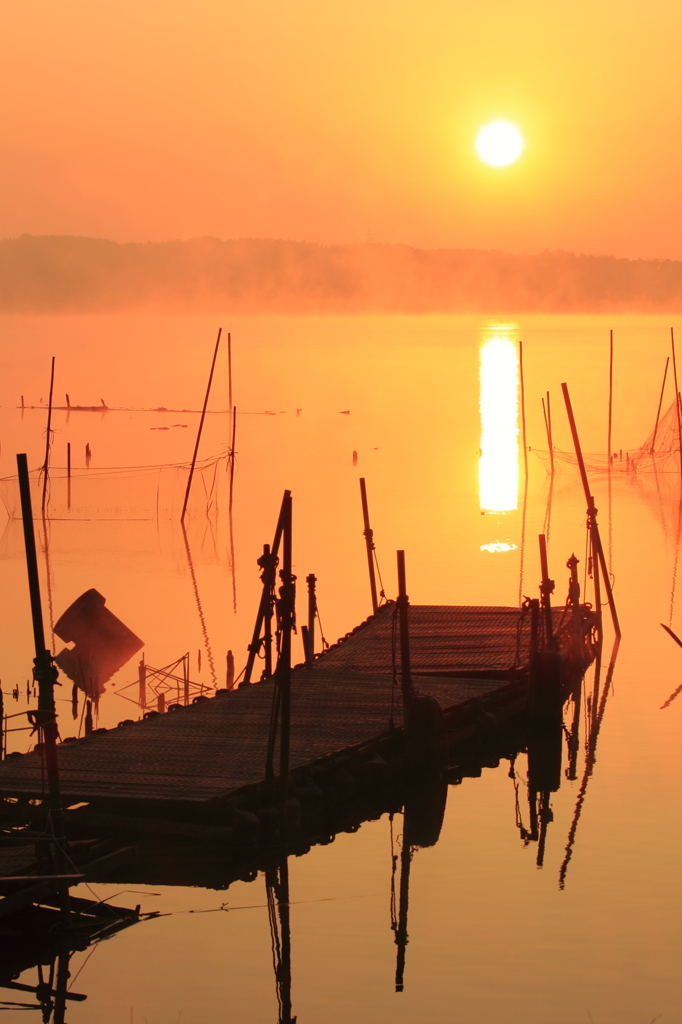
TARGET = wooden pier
x,y
205,763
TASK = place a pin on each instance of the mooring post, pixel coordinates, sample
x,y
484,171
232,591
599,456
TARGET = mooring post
x,y
546,588
369,543
403,611
658,411
311,580
287,599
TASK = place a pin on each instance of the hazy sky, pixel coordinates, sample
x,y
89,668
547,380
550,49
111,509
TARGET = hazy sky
x,y
342,121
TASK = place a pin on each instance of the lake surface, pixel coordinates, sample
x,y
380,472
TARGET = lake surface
x,y
492,937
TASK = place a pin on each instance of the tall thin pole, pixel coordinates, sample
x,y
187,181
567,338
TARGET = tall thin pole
x,y
403,611
522,552
284,663
660,406
68,474
369,543
592,514
44,671
46,465
677,397
229,369
608,440
201,427
547,412
232,453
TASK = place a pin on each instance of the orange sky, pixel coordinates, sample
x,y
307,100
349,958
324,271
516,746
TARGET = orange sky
x,y
338,122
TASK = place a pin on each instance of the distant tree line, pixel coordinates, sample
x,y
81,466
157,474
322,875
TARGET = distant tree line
x,y
69,274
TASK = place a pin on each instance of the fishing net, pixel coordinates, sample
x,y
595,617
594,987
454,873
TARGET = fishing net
x,y
122,493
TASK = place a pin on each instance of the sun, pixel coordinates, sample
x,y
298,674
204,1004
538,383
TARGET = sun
x,y
499,143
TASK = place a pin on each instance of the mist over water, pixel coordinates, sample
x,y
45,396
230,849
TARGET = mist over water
x,y
492,937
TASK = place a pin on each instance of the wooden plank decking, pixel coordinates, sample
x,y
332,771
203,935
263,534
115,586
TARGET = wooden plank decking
x,y
206,751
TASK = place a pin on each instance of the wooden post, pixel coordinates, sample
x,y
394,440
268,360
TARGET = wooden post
x,y
546,588
185,679
403,611
284,662
46,466
608,439
68,474
369,543
201,427
229,681
598,552
677,397
660,404
2,723
311,580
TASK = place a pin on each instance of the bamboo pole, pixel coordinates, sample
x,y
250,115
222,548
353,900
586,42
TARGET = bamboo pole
x,y
46,465
677,397
592,517
608,441
229,369
522,553
68,474
201,427
369,543
660,406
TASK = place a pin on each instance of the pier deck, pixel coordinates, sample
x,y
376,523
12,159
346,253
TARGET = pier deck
x,y
205,752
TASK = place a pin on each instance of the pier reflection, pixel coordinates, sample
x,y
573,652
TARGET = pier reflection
x,y
36,950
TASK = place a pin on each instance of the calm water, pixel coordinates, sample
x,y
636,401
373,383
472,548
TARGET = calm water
x,y
492,936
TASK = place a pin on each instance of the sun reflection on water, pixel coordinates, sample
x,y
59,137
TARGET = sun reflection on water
x,y
498,468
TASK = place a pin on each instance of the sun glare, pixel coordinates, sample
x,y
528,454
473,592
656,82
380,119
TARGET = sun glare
x,y
499,143
498,468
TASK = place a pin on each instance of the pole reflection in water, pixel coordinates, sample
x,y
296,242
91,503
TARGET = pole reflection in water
x,y
277,893
498,468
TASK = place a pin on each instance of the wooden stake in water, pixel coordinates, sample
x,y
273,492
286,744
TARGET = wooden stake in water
x,y
68,474
229,369
660,405
46,465
600,560
608,439
201,427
